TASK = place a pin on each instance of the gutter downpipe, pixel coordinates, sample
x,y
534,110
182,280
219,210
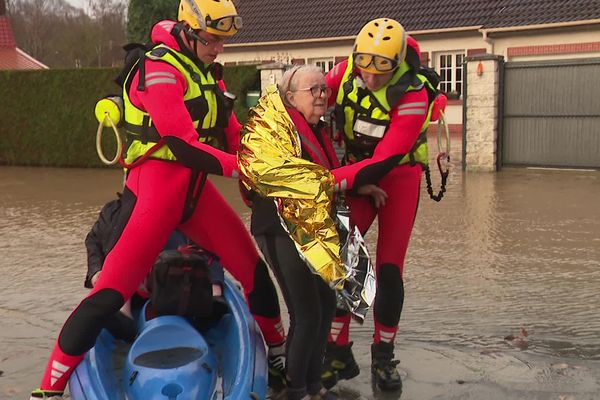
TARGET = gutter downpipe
x,y
488,40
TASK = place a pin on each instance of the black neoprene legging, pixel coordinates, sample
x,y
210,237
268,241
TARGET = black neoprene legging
x,y
311,305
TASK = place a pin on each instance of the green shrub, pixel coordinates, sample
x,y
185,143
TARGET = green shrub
x,y
47,116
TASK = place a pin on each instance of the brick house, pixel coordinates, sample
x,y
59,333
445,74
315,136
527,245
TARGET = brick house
x,y
11,57
449,32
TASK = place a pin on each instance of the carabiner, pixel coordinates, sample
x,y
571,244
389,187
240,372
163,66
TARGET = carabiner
x,y
439,163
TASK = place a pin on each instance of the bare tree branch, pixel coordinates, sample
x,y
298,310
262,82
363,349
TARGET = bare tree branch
x,y
63,36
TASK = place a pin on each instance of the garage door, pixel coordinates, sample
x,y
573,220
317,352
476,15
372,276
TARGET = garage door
x,y
551,114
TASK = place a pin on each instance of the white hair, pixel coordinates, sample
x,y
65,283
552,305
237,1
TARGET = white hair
x,y
289,80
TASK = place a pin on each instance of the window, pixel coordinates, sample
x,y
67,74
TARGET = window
x,y
450,68
325,64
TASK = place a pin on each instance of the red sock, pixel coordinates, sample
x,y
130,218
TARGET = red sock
x,y
384,333
59,369
340,330
272,329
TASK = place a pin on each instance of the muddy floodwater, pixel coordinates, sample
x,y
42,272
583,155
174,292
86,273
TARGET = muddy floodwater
x,y
502,255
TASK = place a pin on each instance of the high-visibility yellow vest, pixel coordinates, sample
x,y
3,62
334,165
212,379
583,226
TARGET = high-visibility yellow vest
x,y
203,100
363,116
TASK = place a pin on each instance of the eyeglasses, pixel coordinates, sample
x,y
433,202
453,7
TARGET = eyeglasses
x,y
317,91
200,35
224,24
381,63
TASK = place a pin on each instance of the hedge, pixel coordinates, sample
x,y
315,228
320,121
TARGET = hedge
x,y
47,116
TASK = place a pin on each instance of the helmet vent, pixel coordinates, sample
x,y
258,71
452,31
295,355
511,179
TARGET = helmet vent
x,y
370,34
387,38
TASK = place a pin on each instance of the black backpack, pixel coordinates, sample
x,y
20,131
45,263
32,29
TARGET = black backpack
x,y
134,52
180,283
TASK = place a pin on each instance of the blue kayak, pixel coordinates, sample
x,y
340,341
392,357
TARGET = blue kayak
x,y
172,360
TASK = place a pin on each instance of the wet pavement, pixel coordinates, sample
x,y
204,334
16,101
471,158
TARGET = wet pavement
x,y
502,254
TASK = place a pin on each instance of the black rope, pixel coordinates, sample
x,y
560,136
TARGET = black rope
x,y
436,197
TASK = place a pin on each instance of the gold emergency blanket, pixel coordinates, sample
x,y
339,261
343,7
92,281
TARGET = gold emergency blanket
x,y
271,163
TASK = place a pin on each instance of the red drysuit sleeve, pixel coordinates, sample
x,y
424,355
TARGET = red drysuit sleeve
x,y
407,119
163,100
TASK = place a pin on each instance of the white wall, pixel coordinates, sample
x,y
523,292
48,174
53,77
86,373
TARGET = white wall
x,y
285,53
530,38
431,43
498,43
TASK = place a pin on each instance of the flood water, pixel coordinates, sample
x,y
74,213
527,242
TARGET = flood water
x,y
518,249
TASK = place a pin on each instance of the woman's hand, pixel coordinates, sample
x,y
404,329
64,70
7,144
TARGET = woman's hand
x,y
377,194
95,278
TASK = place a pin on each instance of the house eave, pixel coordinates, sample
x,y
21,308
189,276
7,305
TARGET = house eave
x,y
288,42
554,25
33,60
347,38
422,32
445,30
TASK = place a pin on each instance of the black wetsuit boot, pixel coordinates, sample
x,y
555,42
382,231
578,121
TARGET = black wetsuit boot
x,y
339,364
383,367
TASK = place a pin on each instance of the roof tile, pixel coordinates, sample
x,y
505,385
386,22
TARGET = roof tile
x,y
10,56
14,59
280,20
7,39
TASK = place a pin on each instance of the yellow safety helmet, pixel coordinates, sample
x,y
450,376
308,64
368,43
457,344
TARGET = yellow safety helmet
x,y
380,46
218,17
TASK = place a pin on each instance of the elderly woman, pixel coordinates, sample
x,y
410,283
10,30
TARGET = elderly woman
x,y
285,159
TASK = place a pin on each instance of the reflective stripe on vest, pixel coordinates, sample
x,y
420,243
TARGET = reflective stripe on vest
x,y
364,116
200,86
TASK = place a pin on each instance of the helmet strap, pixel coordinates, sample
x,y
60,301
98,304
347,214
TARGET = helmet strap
x,y
189,33
192,40
193,36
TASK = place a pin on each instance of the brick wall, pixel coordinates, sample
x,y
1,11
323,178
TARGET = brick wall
x,y
588,47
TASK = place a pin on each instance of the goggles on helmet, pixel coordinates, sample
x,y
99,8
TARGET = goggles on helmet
x,y
381,63
224,24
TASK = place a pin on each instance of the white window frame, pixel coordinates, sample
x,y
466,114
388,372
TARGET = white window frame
x,y
449,64
326,64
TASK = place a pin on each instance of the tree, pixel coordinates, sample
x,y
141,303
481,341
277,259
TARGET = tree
x,y
143,14
109,30
36,22
63,36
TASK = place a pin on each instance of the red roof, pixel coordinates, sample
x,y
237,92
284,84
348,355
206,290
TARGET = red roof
x,y
6,36
12,57
17,59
